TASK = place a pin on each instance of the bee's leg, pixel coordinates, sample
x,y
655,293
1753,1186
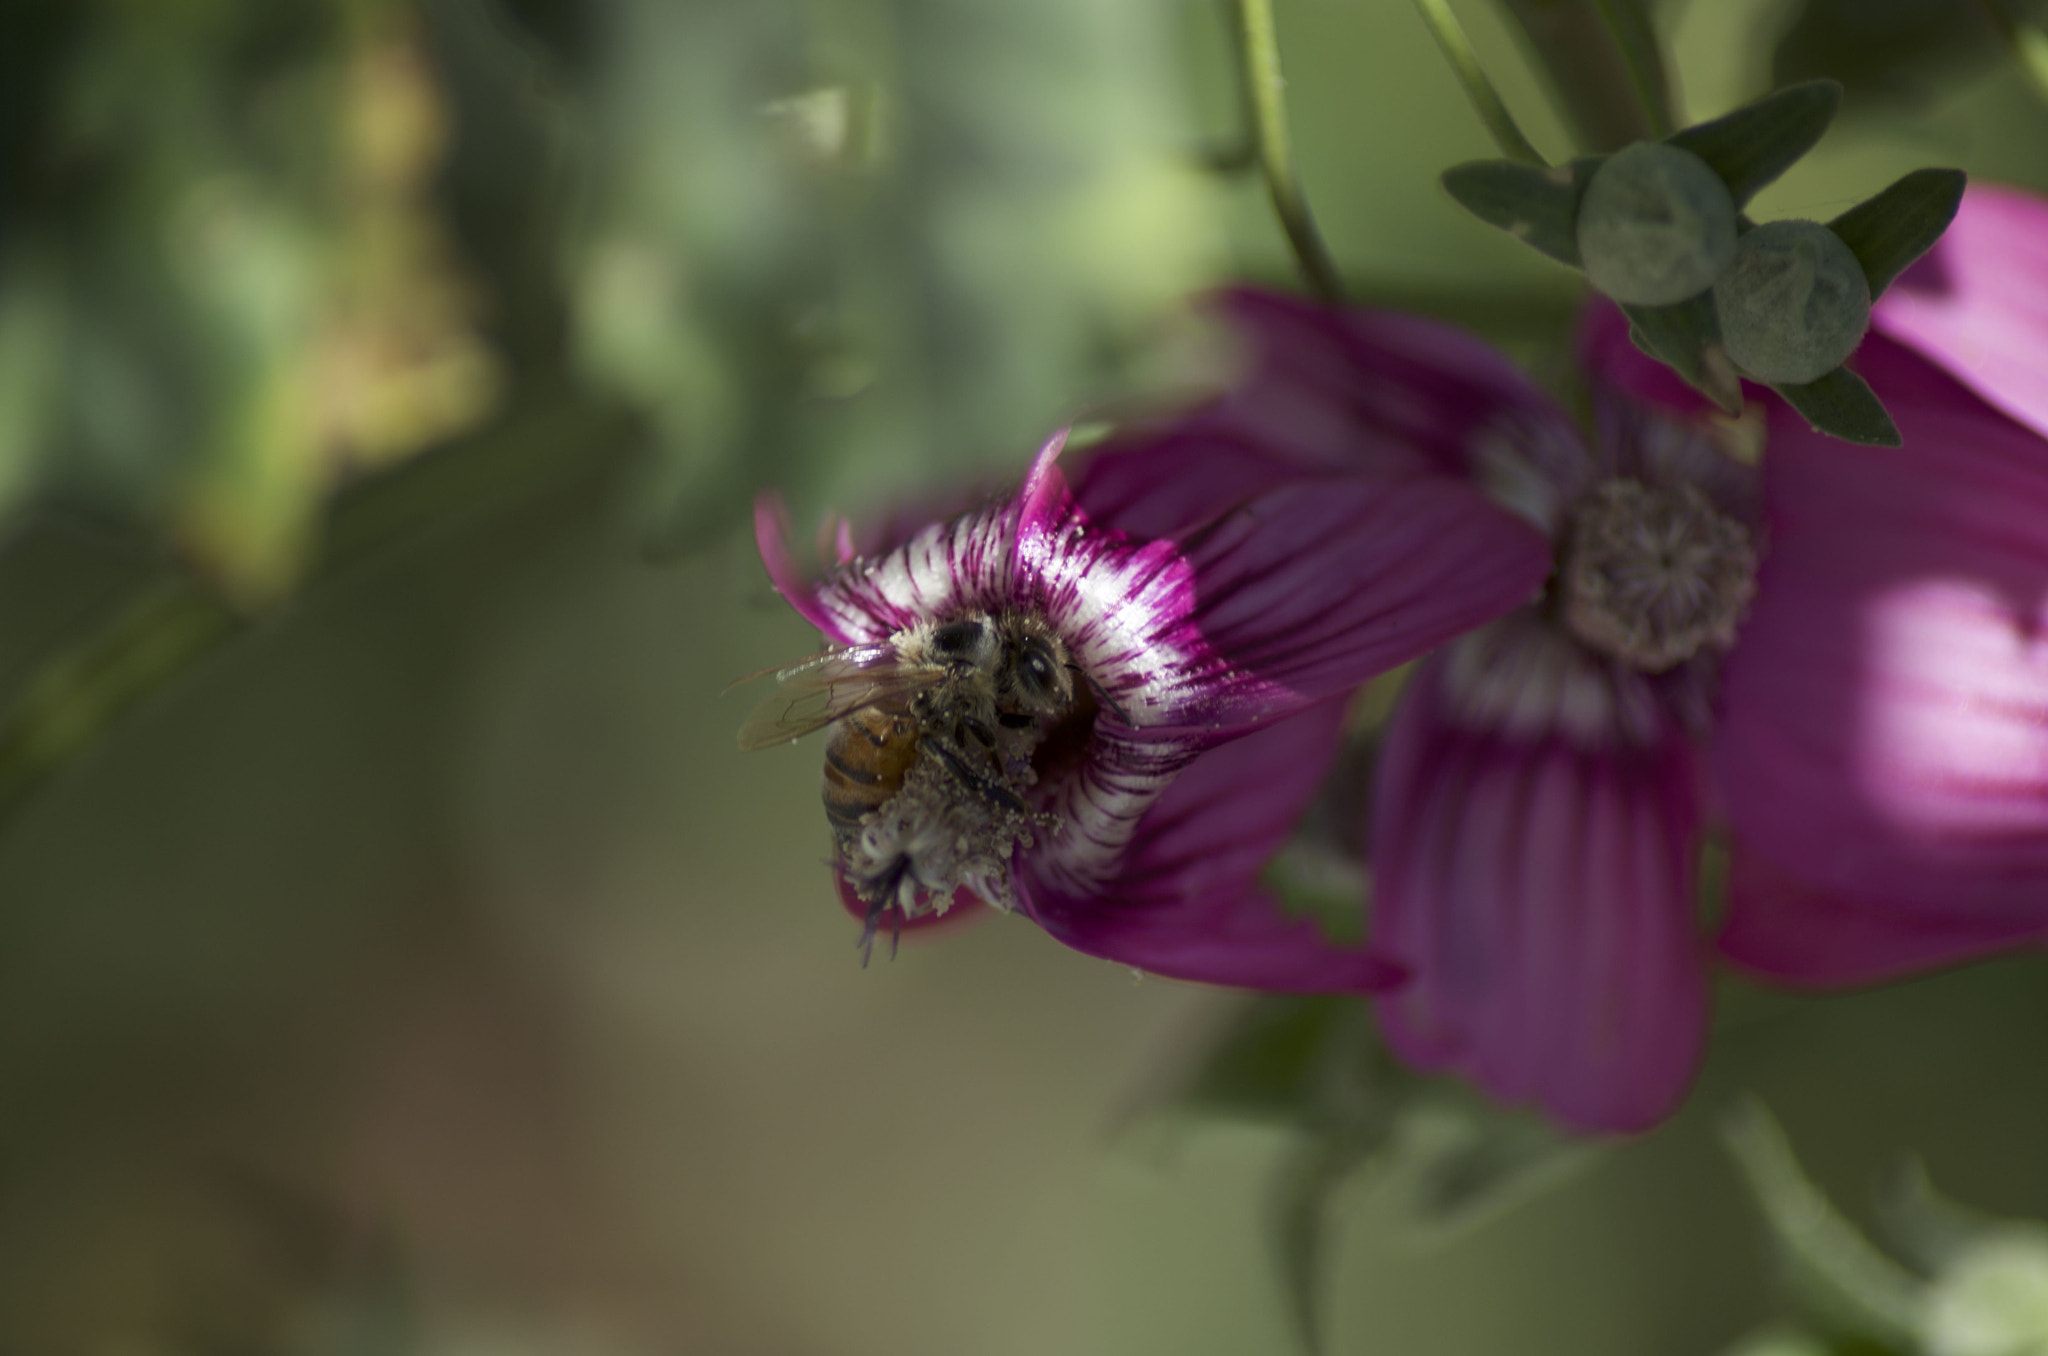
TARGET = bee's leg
x,y
868,928
1009,720
977,781
881,897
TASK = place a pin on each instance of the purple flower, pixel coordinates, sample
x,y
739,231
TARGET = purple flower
x,y
1218,585
1886,746
1841,659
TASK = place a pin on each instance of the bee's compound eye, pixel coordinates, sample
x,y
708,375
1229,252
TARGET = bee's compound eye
x,y
958,639
1035,670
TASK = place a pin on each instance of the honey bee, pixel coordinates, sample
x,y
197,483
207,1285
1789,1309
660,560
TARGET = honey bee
x,y
928,760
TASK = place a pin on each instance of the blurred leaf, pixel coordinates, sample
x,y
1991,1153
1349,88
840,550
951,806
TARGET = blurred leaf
x,y
353,1292
1313,1065
257,299
1443,1156
1459,1160
855,250
77,696
1836,1274
33,316
372,1310
1842,404
1531,203
1301,1225
1897,226
708,251
74,697
1686,337
1885,49
1760,141
1277,1059
1313,880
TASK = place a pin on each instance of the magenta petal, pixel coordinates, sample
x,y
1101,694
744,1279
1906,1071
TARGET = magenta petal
x,y
1313,588
1323,394
1184,901
1886,729
947,567
1977,304
1172,481
1369,389
1538,889
772,538
1793,934
1295,595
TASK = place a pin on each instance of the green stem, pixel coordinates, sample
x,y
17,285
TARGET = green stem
x,y
72,700
1479,91
1276,159
1636,41
80,695
1611,89
1242,151
1834,1268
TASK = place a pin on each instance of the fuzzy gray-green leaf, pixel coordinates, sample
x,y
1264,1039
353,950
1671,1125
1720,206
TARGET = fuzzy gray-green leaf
x,y
1532,204
1758,142
1842,405
1891,230
1686,338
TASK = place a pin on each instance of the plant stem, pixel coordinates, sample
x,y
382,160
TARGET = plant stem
x,y
1479,91
1833,1267
76,698
1610,88
1637,43
1269,128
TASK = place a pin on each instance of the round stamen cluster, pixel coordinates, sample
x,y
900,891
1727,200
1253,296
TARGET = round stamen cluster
x,y
1654,574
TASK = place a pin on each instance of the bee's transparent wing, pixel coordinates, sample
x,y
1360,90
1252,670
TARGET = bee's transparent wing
x,y
811,695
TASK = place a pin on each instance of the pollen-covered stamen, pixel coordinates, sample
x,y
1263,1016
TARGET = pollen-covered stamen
x,y
1652,575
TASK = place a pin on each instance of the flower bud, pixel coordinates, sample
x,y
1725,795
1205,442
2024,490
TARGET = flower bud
x,y
1656,225
1794,304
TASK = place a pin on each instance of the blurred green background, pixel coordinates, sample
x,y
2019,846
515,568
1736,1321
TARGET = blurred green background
x,y
396,955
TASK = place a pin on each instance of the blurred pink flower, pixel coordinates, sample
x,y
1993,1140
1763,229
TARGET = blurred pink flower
x,y
1870,714
1221,582
1886,744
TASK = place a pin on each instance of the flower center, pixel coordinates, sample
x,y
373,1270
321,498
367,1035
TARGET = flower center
x,y
1653,575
